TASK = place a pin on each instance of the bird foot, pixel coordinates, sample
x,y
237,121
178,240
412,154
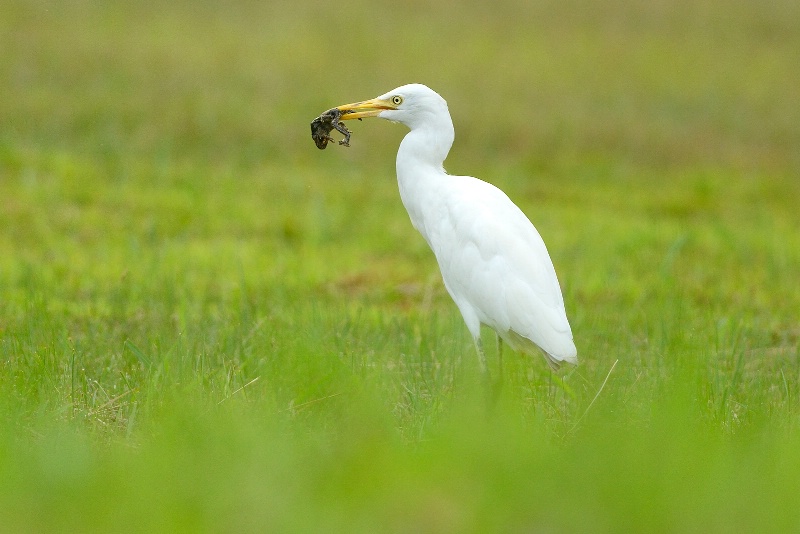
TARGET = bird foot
x,y
493,389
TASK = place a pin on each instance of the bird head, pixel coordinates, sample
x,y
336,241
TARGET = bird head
x,y
414,105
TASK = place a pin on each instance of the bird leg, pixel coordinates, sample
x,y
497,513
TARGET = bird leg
x,y
498,385
481,356
492,388
500,357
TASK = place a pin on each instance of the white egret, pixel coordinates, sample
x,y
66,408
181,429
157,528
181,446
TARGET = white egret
x,y
494,263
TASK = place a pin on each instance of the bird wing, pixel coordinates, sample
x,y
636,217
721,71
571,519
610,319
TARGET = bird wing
x,y
495,263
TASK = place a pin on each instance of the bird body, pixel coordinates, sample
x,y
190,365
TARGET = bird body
x,y
494,263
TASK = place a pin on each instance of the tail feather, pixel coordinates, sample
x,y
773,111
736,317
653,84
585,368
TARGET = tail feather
x,y
523,344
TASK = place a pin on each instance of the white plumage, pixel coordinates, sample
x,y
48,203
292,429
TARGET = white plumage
x,y
493,261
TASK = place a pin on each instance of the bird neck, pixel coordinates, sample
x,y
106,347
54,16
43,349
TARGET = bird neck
x,y
420,171
424,148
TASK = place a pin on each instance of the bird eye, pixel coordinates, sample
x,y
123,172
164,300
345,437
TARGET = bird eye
x,y
397,100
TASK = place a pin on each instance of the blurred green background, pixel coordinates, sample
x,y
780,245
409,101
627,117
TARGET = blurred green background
x,y
207,324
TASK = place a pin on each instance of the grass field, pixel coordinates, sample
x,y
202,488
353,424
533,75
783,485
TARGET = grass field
x,y
208,325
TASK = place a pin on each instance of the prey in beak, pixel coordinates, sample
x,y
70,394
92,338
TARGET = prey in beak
x,y
322,126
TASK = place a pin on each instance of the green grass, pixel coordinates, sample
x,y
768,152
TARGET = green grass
x,y
206,324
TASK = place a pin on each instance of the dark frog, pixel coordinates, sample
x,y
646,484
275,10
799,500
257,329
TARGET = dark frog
x,y
321,128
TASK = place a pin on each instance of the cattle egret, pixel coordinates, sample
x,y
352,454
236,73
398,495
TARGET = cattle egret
x,y
494,263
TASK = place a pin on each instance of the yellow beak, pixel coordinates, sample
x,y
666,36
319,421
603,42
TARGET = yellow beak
x,y
367,108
